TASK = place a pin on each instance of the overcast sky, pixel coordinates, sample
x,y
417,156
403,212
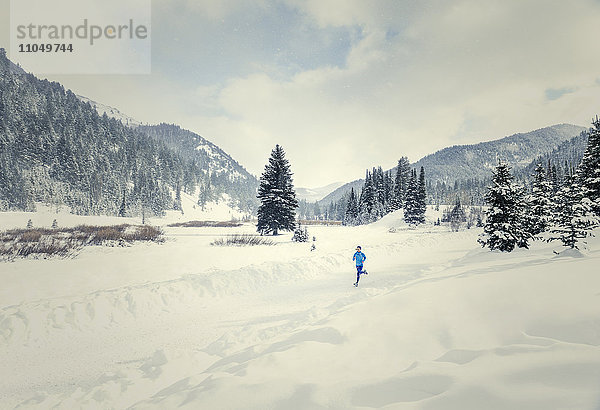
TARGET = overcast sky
x,y
345,85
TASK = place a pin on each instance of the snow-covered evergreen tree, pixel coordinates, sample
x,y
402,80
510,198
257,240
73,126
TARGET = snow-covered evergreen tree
x,y
504,227
588,172
573,216
367,200
300,234
388,186
421,196
457,216
411,200
351,215
414,199
540,202
276,193
400,183
123,208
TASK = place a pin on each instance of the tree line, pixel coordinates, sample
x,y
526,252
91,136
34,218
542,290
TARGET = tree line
x,y
563,208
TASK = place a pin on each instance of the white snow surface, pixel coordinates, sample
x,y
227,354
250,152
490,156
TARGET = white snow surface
x,y
111,112
438,323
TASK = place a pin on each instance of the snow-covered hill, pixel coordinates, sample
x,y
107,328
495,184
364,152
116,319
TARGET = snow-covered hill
x,y
438,323
316,194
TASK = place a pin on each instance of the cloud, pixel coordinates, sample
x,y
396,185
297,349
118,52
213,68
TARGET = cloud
x,y
460,73
556,93
347,85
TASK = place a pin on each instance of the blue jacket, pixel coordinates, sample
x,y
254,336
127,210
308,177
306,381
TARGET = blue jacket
x,y
359,257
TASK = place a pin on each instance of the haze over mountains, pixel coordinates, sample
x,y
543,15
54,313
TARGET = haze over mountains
x,y
476,161
316,194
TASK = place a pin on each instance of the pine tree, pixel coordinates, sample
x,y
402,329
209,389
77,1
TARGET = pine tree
x,y
317,211
414,199
457,215
351,215
411,200
540,202
421,196
300,234
401,183
588,172
504,228
367,200
277,195
123,208
574,217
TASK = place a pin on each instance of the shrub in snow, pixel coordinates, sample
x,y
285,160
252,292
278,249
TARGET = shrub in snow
x,y
300,234
242,240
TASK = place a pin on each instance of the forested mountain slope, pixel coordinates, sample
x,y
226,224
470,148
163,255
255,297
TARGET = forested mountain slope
x,y
57,149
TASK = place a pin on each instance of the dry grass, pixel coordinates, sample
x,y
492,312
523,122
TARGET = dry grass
x,y
243,240
205,224
315,222
43,242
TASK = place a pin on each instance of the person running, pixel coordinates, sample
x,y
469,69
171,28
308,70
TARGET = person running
x,y
360,258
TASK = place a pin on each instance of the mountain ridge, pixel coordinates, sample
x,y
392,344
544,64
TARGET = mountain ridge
x,y
468,161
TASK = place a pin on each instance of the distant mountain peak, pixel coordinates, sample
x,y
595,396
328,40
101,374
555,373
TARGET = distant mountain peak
x,y
316,194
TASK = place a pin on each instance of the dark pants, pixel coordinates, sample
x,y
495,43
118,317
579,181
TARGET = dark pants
x,y
359,269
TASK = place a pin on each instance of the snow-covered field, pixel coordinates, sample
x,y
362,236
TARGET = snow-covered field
x,y
439,323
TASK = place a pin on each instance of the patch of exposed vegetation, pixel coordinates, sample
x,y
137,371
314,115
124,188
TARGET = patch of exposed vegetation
x,y
205,224
243,240
65,242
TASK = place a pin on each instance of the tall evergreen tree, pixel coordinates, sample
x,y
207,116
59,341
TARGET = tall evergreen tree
x,y
588,172
379,179
401,183
367,199
552,177
457,215
351,215
388,191
411,200
573,216
504,228
422,196
540,201
276,193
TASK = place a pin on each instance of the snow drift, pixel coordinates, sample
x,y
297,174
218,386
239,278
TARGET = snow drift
x,y
437,324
